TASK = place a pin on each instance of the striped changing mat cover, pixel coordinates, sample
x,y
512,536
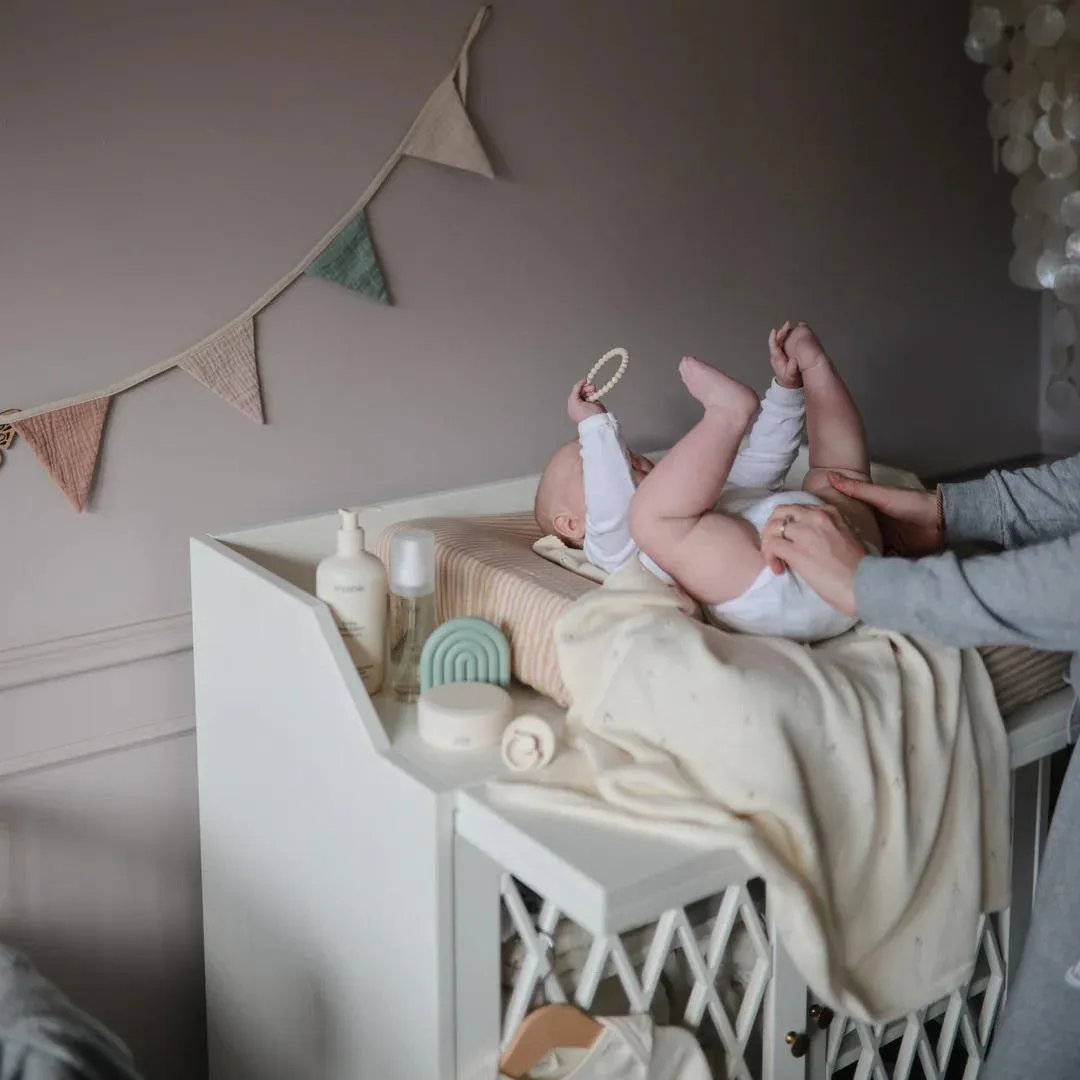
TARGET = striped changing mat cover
x,y
487,568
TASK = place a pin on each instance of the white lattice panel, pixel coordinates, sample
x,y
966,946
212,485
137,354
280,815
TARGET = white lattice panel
x,y
945,1041
710,962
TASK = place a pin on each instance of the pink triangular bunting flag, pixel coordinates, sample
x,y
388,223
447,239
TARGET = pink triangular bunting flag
x,y
443,133
67,442
227,366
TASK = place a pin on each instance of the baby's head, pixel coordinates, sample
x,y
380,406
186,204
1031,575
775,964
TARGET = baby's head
x,y
560,495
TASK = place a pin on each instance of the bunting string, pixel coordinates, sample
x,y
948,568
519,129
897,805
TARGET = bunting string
x,y
225,360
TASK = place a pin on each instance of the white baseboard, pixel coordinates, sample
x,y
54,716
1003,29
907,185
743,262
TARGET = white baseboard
x,y
76,655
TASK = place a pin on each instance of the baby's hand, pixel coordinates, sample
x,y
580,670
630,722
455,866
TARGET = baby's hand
x,y
579,407
785,368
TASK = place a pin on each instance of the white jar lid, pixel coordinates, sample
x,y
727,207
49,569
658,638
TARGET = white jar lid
x,y
464,716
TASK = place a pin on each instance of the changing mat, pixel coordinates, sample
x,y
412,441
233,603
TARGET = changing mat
x,y
487,567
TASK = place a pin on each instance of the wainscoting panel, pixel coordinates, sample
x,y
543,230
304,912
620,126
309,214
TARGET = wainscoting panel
x,y
99,841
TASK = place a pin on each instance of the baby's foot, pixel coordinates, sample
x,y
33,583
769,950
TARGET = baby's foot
x,y
802,346
717,391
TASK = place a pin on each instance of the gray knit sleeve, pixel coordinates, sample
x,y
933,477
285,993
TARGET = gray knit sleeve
x,y
1026,597
1012,509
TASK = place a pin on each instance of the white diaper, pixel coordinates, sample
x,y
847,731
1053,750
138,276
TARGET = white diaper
x,y
776,605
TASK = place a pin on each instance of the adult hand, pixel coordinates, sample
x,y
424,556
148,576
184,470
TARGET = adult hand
x,y
910,520
820,546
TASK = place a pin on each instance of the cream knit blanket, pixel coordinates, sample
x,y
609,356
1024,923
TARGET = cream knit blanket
x,y
866,779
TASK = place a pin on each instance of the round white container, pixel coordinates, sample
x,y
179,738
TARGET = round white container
x,y
464,716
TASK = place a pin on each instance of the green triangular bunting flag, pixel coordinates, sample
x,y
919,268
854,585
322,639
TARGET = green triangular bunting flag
x,y
349,260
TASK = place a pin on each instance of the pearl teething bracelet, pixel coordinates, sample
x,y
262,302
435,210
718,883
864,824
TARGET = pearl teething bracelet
x,y
624,362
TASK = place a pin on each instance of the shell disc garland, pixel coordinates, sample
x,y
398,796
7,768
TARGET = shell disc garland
x,y
1032,54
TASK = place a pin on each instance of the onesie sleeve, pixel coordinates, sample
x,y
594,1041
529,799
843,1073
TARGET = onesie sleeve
x,y
1012,509
774,440
609,487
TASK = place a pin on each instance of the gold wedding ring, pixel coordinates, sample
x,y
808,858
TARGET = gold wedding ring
x,y
783,526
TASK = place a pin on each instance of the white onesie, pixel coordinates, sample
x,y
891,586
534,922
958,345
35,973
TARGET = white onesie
x,y
777,605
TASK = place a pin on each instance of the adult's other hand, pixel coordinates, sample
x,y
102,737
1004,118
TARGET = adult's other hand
x,y
910,521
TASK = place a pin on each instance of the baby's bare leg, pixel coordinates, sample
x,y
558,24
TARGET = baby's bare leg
x,y
713,556
835,432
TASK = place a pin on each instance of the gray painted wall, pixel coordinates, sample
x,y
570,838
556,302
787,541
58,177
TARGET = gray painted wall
x,y
675,177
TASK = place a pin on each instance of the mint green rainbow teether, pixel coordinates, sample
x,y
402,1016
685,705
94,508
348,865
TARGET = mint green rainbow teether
x,y
465,650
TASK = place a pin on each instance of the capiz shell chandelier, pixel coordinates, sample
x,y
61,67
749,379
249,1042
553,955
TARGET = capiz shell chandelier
x,y
1032,51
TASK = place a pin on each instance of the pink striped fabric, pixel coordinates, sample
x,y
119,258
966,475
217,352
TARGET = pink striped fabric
x,y
1021,676
488,569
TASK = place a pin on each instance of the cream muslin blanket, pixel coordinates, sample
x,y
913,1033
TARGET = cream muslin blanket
x,y
865,779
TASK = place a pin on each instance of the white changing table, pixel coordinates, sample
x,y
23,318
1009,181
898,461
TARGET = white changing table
x,y
353,878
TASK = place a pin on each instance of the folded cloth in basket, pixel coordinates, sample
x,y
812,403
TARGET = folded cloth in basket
x,y
629,1048
866,780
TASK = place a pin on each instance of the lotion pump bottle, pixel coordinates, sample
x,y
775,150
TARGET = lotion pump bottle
x,y
353,583
412,607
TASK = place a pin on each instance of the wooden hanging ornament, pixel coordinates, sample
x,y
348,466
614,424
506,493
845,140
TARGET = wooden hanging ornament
x,y
7,435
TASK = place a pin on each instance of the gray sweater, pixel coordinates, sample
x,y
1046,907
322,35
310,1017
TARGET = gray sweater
x,y
1028,594
44,1037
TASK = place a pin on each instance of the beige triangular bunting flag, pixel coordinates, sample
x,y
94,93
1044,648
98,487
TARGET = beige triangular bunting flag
x,y
227,365
67,442
443,133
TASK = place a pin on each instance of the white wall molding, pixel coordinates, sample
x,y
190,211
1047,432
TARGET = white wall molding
x,y
82,749
56,659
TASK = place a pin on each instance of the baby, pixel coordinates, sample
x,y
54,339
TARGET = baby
x,y
697,517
